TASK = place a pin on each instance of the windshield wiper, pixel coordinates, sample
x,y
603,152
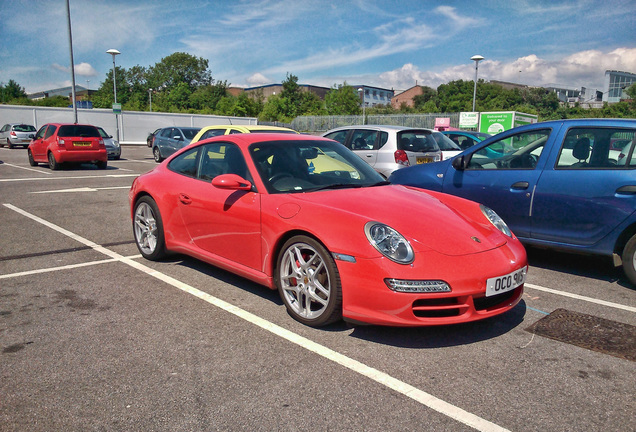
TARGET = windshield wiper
x,y
348,186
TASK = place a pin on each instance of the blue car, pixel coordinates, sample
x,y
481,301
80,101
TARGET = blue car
x,y
561,184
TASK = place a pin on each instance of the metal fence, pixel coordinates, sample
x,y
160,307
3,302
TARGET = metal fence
x,y
316,124
134,126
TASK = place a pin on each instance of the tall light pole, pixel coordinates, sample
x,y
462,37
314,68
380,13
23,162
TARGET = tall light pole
x,y
364,105
114,52
476,59
70,42
150,98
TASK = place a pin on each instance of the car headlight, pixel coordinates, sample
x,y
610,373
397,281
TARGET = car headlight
x,y
389,242
495,220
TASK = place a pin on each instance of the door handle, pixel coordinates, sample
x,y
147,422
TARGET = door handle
x,y
627,190
522,185
185,199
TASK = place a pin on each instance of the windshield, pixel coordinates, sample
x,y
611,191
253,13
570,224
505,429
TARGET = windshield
x,y
189,132
444,142
103,133
303,166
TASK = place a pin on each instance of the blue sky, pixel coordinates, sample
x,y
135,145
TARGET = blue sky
x,y
384,43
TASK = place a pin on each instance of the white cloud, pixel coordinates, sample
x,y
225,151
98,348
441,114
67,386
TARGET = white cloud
x,y
581,69
258,79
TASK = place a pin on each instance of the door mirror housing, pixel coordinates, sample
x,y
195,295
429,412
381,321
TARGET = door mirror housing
x,y
460,163
231,181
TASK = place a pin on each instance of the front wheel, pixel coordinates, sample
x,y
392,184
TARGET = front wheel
x,y
157,154
629,260
308,282
32,161
148,229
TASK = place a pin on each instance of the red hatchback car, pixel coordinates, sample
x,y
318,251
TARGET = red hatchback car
x,y
56,143
307,216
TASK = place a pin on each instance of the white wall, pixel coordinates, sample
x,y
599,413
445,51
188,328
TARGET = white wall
x,y
134,126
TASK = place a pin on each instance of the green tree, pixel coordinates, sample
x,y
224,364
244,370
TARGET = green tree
x,y
342,99
420,100
179,68
12,91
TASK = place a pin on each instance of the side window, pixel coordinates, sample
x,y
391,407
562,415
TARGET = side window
x,y
166,132
222,158
363,139
4,128
212,133
235,131
185,163
40,133
50,131
384,137
597,148
340,136
521,151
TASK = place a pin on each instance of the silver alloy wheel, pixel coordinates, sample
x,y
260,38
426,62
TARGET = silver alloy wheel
x,y
146,228
305,282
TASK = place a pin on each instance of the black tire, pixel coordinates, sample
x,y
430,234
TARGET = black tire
x,y
148,229
32,161
629,260
157,154
9,144
53,164
308,282
102,164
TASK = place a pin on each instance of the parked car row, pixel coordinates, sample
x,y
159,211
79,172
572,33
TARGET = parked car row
x,y
388,148
166,141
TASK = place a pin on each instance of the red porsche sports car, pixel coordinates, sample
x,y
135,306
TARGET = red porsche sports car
x,y
305,215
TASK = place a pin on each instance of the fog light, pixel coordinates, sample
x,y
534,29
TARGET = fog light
x,y
417,286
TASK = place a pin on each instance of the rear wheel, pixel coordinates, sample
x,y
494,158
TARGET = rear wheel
x,y
308,282
157,154
629,260
102,164
9,144
148,229
53,164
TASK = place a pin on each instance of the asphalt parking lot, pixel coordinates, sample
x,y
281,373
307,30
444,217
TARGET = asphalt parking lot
x,y
93,337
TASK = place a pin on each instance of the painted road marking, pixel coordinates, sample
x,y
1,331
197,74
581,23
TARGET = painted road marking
x,y
379,377
65,267
69,178
580,297
26,168
83,189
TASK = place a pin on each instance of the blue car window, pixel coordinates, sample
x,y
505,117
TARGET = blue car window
x,y
521,151
597,148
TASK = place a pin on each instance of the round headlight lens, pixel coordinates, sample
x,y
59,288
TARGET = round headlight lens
x,y
494,219
389,242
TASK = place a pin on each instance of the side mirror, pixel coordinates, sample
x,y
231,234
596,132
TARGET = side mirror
x,y
231,181
460,163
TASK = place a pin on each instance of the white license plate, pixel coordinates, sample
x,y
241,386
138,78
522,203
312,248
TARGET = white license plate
x,y
502,284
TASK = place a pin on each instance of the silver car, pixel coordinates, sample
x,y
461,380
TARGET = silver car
x,y
112,145
16,134
170,139
388,148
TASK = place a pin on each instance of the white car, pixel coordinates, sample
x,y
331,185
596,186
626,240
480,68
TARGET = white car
x,y
388,148
16,134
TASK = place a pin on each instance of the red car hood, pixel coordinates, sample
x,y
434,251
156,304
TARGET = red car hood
x,y
428,220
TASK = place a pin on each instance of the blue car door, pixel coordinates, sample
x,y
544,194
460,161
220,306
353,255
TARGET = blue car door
x,y
503,176
588,187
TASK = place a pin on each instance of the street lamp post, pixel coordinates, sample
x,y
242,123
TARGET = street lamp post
x,y
364,105
476,59
114,52
150,98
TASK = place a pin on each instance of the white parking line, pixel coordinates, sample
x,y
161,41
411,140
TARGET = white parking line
x,y
26,168
69,178
83,189
580,297
66,267
380,377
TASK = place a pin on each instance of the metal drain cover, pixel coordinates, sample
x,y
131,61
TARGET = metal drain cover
x,y
587,331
